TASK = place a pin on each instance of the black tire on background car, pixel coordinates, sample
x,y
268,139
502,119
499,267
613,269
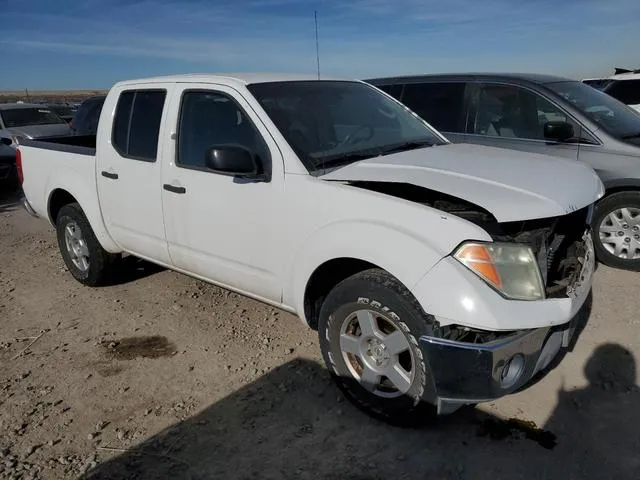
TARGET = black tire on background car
x,y
369,328
85,258
616,230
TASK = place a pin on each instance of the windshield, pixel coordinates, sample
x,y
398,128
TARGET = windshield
x,y
610,114
328,123
24,117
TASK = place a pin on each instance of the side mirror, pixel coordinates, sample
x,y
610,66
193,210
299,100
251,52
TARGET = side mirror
x,y
6,141
559,131
232,160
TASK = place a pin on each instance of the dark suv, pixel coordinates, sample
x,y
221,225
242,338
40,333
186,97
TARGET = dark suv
x,y
549,115
85,121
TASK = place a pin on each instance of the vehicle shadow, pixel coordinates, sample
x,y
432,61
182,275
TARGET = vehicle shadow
x,y
9,198
291,424
133,268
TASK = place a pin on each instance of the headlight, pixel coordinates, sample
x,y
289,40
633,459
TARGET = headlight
x,y
508,267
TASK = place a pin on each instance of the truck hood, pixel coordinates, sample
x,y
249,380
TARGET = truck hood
x,y
41,131
511,185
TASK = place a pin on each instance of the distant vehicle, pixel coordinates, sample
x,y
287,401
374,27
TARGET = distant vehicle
x,y
85,121
64,111
7,163
436,274
549,115
29,121
624,87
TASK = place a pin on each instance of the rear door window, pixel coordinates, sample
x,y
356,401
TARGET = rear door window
x,y
441,104
136,126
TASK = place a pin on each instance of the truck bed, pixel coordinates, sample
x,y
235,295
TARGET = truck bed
x,y
79,144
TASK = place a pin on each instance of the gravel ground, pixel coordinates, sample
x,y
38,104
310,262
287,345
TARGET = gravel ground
x,y
163,376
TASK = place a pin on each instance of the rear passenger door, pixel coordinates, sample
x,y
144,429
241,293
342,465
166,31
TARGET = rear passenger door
x,y
441,104
513,117
129,171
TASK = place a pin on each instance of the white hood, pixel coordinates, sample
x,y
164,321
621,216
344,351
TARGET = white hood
x,y
511,185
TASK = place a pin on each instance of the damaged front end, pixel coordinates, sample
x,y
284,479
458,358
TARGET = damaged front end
x,y
559,243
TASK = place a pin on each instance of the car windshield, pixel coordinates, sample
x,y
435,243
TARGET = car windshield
x,y
332,123
24,117
610,114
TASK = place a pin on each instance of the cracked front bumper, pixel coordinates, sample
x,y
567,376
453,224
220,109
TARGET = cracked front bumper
x,y
468,373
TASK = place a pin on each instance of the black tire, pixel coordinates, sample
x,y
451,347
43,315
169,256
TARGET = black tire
x,y
381,294
101,263
606,206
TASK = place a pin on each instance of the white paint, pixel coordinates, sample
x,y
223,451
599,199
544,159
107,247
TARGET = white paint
x,y
265,240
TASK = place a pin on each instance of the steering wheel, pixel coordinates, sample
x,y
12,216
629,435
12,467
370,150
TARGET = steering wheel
x,y
349,139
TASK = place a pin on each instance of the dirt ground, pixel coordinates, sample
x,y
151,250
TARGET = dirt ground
x,y
163,376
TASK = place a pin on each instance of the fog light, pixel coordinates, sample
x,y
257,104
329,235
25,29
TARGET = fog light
x,y
512,371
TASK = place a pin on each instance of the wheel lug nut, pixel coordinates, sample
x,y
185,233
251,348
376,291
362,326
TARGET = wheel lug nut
x,y
621,233
627,240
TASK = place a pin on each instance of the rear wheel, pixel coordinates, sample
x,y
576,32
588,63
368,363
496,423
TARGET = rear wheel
x,y
616,230
85,258
369,326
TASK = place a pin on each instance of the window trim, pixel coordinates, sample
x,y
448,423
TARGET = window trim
x,y
133,102
477,85
266,164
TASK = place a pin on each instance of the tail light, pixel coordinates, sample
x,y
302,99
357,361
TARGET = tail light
x,y
19,166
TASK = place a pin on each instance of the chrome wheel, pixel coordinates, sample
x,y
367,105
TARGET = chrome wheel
x,y
377,353
619,233
76,246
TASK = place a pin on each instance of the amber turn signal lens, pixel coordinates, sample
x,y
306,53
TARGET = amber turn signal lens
x,y
477,258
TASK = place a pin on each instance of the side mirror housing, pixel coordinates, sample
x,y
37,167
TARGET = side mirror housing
x,y
6,141
559,131
233,160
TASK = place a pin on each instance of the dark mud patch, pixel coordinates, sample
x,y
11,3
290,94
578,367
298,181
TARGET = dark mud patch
x,y
139,347
515,428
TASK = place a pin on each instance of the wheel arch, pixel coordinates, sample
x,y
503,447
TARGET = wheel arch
x,y
62,195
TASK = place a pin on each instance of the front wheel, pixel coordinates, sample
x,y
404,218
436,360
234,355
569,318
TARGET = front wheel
x,y
616,230
369,326
83,255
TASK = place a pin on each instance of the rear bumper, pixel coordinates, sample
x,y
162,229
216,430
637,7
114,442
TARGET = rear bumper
x,y
467,373
27,206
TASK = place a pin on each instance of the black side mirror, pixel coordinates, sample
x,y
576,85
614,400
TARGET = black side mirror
x,y
559,131
232,160
6,141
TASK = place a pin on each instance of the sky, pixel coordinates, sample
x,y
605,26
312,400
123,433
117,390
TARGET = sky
x,y
74,44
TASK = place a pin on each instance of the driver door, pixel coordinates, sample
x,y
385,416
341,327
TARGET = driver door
x,y
220,228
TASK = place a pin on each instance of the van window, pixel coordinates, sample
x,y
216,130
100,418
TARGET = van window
x,y
514,112
136,126
440,104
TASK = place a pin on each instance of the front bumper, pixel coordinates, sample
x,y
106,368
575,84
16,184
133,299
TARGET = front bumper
x,y
467,373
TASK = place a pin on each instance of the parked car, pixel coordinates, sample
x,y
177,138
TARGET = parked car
x,y
436,274
64,111
622,86
8,175
29,121
548,115
85,121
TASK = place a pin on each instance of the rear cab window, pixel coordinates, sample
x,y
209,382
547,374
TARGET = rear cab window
x,y
136,124
626,91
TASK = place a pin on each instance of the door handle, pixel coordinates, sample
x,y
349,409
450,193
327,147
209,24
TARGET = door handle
x,y
174,189
112,176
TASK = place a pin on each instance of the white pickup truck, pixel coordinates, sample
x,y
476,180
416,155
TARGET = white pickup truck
x,y
436,274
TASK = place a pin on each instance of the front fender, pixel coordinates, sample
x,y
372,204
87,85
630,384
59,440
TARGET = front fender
x,y
401,253
78,187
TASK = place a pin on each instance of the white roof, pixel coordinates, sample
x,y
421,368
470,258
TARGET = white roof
x,y
619,76
228,78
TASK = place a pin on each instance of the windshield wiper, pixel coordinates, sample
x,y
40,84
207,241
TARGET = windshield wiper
x,y
334,160
630,136
405,146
